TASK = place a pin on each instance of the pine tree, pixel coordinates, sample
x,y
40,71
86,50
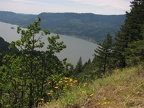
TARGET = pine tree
x,y
129,32
27,74
103,54
79,66
135,51
122,40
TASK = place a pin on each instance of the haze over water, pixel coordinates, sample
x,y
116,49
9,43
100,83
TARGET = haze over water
x,y
76,47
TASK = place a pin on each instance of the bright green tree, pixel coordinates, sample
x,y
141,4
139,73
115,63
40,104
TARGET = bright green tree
x,y
27,74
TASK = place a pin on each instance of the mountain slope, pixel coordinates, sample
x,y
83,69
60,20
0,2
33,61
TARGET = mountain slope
x,y
5,50
123,89
85,25
4,47
15,18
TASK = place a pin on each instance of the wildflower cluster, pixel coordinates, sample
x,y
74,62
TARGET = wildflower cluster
x,y
66,83
55,87
84,91
104,102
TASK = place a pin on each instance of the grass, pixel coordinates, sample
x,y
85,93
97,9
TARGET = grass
x,y
123,89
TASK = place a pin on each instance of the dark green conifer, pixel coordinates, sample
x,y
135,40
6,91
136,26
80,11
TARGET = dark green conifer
x,y
103,54
131,31
79,66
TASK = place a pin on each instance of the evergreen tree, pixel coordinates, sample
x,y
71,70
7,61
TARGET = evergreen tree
x,y
119,48
103,54
87,64
79,66
135,51
129,32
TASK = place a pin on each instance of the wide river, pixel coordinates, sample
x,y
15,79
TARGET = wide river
x,y
76,47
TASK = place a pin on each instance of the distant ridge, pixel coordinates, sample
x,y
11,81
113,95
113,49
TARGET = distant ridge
x,y
15,18
83,25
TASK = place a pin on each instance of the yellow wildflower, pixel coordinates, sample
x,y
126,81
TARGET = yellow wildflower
x,y
83,92
71,84
75,81
41,99
49,93
66,78
85,84
91,95
60,81
56,87
104,98
49,82
71,79
65,81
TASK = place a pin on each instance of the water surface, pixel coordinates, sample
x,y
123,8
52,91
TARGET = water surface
x,y
76,47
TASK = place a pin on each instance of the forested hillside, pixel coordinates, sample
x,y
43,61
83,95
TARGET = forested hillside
x,y
15,18
34,78
88,26
5,50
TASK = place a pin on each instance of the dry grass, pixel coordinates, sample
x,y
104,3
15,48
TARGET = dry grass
x,y
123,89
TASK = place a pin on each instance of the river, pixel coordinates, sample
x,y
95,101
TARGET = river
x,y
76,47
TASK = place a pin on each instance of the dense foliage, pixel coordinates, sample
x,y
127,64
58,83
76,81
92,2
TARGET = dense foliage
x,y
31,76
103,55
126,49
129,38
4,47
25,76
5,50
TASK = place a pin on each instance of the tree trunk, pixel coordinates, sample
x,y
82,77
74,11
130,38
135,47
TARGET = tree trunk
x,y
30,97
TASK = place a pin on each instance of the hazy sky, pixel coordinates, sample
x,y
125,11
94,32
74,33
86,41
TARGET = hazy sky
x,y
80,6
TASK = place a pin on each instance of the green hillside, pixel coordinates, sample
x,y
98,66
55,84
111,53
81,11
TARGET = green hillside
x,y
123,89
39,79
88,26
5,50
15,18
4,47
